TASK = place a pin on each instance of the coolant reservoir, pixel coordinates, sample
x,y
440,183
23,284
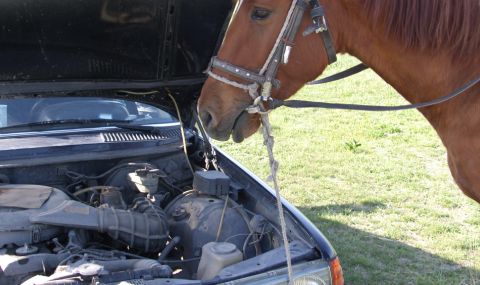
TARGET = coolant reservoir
x,y
145,181
215,257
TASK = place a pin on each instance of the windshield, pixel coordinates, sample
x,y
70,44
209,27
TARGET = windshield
x,y
26,113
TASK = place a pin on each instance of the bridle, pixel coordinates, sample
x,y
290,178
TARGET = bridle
x,y
261,83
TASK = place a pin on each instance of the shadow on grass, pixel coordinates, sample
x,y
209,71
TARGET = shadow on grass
x,y
372,259
345,209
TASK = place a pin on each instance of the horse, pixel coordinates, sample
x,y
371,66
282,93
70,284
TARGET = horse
x,y
423,48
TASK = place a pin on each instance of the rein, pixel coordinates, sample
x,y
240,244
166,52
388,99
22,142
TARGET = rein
x,y
275,103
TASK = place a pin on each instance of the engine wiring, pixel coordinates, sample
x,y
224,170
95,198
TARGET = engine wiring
x,y
179,115
79,179
182,129
75,176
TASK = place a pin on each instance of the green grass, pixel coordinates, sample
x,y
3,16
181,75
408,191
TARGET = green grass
x,y
376,184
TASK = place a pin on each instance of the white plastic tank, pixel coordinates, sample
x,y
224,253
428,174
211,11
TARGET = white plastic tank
x,y
215,257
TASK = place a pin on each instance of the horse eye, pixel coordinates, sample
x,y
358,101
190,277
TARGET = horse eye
x,y
260,13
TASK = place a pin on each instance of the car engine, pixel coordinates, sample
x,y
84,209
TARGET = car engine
x,y
134,220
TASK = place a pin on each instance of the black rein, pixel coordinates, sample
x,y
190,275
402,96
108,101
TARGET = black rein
x,y
275,103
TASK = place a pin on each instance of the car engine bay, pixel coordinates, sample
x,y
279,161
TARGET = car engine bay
x,y
107,221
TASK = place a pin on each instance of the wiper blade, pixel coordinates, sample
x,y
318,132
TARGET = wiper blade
x,y
145,129
106,122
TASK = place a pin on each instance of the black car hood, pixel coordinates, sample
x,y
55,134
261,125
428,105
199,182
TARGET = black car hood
x,y
67,46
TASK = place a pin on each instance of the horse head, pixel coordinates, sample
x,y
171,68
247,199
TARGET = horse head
x,y
255,28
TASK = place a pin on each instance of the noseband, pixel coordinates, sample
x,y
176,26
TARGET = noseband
x,y
264,80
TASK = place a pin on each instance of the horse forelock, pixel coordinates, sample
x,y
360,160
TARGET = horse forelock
x,y
429,24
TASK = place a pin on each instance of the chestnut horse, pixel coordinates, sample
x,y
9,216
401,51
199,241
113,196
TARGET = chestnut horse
x,y
423,48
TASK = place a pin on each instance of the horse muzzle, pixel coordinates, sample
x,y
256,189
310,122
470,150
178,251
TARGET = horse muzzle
x,y
239,127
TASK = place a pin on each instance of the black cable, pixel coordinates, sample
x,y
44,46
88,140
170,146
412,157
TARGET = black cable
x,y
77,176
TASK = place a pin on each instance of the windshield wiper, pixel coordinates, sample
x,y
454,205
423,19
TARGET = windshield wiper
x,y
140,128
83,122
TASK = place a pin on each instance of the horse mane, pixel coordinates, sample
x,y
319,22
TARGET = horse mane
x,y
450,25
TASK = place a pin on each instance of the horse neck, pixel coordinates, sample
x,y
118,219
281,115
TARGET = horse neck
x,y
419,76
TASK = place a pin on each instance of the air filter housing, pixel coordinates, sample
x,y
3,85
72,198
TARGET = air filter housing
x,y
17,204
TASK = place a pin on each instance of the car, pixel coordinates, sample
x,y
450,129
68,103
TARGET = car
x,y
106,174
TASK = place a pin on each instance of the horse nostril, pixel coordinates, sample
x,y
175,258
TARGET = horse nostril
x,y
206,118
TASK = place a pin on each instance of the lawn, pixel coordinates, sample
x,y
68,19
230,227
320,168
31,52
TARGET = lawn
x,y
376,184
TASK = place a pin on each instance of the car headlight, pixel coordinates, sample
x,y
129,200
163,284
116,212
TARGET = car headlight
x,y
333,276
318,272
318,278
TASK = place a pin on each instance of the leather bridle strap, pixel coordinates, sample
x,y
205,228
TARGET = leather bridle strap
x,y
239,72
275,103
320,27
341,75
282,50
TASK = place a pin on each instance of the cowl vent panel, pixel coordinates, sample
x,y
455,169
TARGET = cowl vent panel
x,y
140,136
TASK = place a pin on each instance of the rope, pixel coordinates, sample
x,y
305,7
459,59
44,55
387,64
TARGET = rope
x,y
257,107
250,88
269,141
277,41
237,7
279,38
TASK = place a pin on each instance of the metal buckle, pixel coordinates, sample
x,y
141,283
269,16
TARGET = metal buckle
x,y
321,25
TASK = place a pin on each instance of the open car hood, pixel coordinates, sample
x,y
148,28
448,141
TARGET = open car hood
x,y
66,46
